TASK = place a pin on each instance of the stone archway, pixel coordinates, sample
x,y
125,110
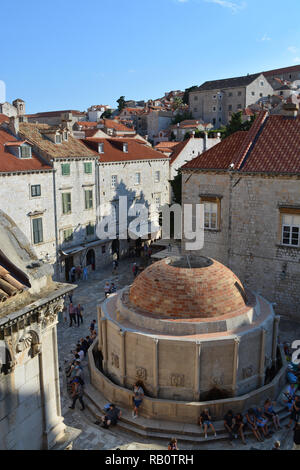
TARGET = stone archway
x,y
91,259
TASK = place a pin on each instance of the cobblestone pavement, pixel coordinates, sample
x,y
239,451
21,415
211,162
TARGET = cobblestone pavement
x,y
89,294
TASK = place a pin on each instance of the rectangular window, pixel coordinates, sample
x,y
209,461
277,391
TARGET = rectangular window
x,y
230,107
210,215
157,177
114,181
35,190
66,203
137,178
65,169
195,98
58,139
103,249
65,135
239,106
88,198
68,235
125,147
90,230
230,93
37,229
261,83
25,151
88,168
214,109
291,229
253,93
100,148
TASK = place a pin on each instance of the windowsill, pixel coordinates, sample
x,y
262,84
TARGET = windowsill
x,y
289,247
213,230
39,243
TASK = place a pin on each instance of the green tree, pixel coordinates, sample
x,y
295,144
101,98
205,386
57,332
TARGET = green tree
x,y
187,135
236,124
172,137
121,103
177,103
107,114
182,117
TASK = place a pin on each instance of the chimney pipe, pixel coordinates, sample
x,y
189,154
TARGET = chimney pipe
x,y
14,125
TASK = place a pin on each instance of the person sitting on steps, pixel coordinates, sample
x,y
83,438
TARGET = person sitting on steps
x,y
205,421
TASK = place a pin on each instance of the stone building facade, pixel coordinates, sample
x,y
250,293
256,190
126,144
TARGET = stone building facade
x,y
127,167
250,187
30,410
216,100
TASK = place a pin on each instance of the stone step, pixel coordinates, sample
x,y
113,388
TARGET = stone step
x,y
159,429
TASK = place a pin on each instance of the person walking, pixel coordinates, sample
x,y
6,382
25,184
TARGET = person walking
x,y
79,311
77,392
85,274
72,314
72,273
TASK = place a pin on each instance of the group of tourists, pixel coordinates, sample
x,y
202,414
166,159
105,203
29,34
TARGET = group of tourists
x,y
74,370
112,413
109,288
77,273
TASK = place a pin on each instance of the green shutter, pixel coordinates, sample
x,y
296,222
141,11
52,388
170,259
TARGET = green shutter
x,y
37,228
66,203
65,169
88,167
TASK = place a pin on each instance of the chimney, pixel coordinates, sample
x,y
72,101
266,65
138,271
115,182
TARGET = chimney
x,y
290,109
205,142
14,125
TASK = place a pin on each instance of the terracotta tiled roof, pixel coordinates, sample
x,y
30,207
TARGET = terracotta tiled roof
x,y
10,163
71,148
228,82
3,118
87,124
9,286
248,112
117,126
166,145
113,150
293,68
56,113
271,146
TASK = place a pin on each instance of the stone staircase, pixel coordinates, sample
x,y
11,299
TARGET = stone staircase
x,y
159,429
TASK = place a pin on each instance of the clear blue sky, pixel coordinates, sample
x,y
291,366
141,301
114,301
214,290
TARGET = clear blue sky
x,y
69,54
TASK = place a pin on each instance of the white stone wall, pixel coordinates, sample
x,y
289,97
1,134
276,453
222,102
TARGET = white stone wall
x,y
193,148
16,201
126,184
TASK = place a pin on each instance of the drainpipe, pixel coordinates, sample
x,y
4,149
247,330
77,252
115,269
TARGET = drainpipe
x,y
229,219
